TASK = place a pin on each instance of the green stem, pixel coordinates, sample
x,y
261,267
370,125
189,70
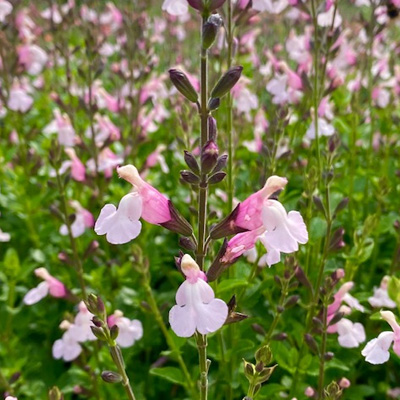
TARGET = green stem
x,y
322,354
119,362
203,362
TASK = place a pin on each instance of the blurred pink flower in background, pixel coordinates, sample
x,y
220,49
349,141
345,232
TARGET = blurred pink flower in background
x,y
5,9
50,285
128,330
83,220
381,297
61,125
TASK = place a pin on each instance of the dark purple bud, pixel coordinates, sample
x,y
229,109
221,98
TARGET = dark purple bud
x,y
318,203
210,30
217,267
191,162
209,156
317,322
214,4
311,343
221,163
227,226
99,333
111,377
182,83
279,337
213,103
216,178
301,277
114,331
97,322
292,301
337,241
93,246
196,4
328,356
280,309
189,177
187,243
212,128
234,317
337,317
342,205
258,328
227,82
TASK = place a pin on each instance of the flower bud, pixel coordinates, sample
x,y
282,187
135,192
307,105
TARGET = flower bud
x,y
187,243
328,356
301,277
111,377
311,343
191,162
227,82
209,156
182,83
99,333
189,177
196,4
114,331
214,4
212,128
213,103
177,223
55,394
216,178
221,163
264,355
210,30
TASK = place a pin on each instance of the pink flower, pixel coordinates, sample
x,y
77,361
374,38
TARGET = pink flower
x,y
284,231
377,350
342,295
19,99
197,308
381,297
175,7
129,330
351,334
5,9
240,244
156,157
249,214
77,167
67,348
104,130
107,161
32,57
50,285
83,219
324,129
327,18
61,125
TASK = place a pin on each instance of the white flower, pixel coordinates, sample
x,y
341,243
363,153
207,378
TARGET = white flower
x,y
5,9
381,297
67,347
324,129
271,6
175,7
325,19
350,334
129,330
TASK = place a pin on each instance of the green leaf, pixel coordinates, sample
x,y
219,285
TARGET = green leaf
x,y
170,374
228,285
317,229
11,263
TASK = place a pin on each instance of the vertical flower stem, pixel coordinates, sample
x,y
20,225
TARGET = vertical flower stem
x,y
322,352
229,131
76,258
157,314
204,363
117,357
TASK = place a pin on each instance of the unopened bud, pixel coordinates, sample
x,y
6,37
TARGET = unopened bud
x,y
99,333
177,223
328,356
264,355
279,337
213,103
212,128
311,343
210,30
55,394
182,83
187,243
227,82
111,377
214,4
216,178
221,163
344,383
114,331
301,277
191,162
189,177
209,156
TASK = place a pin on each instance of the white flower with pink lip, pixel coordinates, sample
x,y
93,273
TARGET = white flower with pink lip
x,y
129,331
122,225
197,308
5,9
329,17
381,297
83,220
271,6
107,162
50,285
10,397
175,7
351,334
61,125
74,163
19,98
377,350
32,57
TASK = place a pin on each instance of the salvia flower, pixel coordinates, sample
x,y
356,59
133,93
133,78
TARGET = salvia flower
x,y
122,225
381,297
175,7
197,308
128,330
83,219
5,9
377,350
50,285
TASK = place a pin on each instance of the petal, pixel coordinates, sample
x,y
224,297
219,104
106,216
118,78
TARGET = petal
x,y
72,351
182,321
377,350
210,317
105,219
298,228
36,294
124,232
58,349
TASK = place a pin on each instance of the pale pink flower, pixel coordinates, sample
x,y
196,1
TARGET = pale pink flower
x,y
197,308
67,348
77,167
271,6
343,295
50,285
104,130
107,162
249,214
128,330
10,397
19,98
83,220
381,297
112,17
61,125
53,14
4,236
324,129
32,57
284,231
82,324
5,9
122,225
351,334
156,157
377,350
175,7
326,19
